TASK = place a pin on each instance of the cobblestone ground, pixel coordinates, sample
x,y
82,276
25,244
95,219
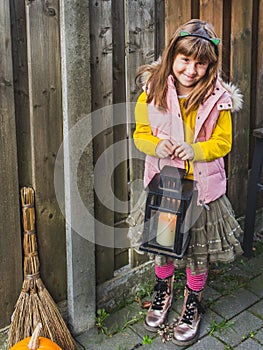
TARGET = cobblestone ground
x,y
233,320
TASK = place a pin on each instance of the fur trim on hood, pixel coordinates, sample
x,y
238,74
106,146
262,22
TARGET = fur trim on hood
x,y
233,90
236,96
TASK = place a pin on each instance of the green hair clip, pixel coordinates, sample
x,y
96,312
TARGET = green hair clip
x,y
215,41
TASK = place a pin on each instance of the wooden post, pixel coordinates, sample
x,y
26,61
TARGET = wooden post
x,y
10,231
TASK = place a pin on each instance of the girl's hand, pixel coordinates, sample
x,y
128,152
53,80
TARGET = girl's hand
x,y
164,149
183,151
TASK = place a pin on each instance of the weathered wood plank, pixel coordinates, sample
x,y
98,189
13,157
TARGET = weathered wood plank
x,y
240,70
159,27
212,11
256,117
10,232
101,99
21,90
45,118
195,9
259,95
140,45
259,82
120,124
226,39
177,13
140,27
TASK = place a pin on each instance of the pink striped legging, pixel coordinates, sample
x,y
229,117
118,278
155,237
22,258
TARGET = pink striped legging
x,y
195,282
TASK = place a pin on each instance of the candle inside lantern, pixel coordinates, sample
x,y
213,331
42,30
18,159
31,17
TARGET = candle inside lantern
x,y
166,229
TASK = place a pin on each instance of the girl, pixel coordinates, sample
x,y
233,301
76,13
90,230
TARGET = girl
x,y
184,115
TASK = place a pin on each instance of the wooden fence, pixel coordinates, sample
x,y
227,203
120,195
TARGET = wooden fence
x,y
123,34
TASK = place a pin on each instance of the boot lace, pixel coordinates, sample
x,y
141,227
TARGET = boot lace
x,y
160,288
192,303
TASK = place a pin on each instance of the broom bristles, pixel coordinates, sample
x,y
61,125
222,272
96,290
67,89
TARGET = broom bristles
x,y
35,304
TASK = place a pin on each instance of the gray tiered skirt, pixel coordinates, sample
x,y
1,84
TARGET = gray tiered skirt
x,y
213,237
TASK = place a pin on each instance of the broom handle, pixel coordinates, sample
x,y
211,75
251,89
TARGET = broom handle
x,y
31,261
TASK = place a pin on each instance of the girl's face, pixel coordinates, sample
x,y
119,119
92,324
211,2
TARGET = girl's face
x,y
188,71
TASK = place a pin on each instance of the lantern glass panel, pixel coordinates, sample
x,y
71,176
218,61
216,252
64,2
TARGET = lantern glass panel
x,y
168,199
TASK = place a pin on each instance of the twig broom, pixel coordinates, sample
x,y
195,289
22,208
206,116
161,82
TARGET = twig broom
x,y
35,304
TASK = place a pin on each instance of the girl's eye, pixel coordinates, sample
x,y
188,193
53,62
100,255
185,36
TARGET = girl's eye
x,y
202,63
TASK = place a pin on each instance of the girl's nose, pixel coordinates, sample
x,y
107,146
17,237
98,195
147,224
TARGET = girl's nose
x,y
191,69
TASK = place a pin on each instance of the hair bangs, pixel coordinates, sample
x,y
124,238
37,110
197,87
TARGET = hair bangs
x,y
198,48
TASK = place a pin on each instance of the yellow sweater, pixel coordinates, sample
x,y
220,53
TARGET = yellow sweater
x,y
216,147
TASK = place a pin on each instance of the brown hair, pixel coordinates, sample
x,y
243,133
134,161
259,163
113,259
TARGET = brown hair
x,y
192,46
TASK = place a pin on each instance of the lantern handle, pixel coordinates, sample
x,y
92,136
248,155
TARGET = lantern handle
x,y
187,166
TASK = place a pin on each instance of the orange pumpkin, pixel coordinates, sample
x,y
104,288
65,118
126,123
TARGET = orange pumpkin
x,y
35,342
44,343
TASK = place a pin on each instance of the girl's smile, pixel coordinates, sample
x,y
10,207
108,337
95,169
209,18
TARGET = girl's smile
x,y
188,71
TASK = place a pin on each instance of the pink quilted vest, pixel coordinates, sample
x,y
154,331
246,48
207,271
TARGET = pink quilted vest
x,y
210,176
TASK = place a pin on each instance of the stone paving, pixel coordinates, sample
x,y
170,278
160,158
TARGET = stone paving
x,y
233,300
233,320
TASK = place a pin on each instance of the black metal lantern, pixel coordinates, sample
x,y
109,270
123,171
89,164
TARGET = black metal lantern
x,y
168,200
